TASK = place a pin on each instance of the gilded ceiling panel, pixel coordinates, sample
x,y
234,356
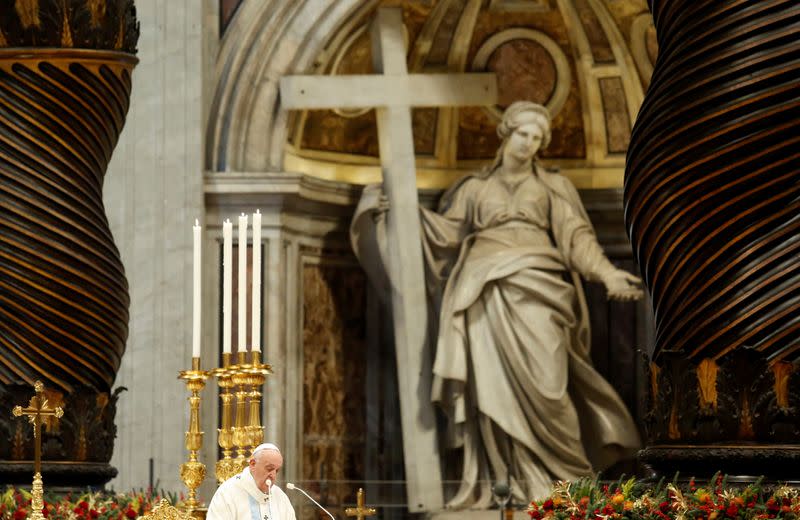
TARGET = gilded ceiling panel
x,y
555,52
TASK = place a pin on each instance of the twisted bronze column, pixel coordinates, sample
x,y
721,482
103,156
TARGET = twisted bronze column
x,y
712,208
65,83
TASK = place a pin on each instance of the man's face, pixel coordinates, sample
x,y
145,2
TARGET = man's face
x,y
265,465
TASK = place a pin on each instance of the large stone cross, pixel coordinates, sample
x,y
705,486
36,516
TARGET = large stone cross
x,y
392,92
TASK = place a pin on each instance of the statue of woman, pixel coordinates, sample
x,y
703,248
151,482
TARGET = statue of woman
x,y
504,256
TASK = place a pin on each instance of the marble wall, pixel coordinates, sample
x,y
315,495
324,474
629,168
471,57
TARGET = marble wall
x,y
153,192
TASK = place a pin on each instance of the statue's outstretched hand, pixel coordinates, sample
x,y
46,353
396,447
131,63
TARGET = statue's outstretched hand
x,y
623,286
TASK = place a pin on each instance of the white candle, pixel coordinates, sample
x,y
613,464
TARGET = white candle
x,y
256,305
196,295
227,287
242,343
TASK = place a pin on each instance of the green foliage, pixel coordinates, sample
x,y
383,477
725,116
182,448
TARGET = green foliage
x,y
587,499
15,504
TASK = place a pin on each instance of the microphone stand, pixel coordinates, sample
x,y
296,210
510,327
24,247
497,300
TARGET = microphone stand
x,y
269,499
289,485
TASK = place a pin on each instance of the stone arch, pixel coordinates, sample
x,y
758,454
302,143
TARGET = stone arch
x,y
266,39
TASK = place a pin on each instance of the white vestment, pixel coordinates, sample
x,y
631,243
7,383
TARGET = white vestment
x,y
238,498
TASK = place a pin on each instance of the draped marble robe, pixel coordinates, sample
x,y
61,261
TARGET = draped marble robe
x,y
512,366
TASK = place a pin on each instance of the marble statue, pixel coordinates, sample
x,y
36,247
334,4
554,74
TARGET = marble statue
x,y
504,256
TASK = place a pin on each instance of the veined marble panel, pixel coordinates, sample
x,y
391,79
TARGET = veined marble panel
x,y
152,194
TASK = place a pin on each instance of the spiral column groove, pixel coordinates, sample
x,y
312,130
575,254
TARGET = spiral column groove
x,y
63,293
712,184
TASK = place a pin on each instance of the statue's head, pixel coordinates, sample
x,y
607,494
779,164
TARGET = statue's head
x,y
521,113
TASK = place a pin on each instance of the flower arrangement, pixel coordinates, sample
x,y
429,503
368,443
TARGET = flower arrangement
x,y
15,505
632,500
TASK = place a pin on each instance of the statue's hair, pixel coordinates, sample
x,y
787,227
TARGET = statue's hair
x,y
509,123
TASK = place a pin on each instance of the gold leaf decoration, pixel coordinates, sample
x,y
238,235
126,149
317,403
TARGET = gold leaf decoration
x,y
165,511
85,24
120,34
782,371
654,373
97,11
28,12
707,383
66,33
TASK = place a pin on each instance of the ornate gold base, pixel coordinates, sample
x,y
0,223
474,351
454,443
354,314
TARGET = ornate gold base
x,y
193,472
226,468
196,512
37,501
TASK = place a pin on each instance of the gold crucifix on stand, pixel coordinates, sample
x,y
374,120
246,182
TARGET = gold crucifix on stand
x,y
360,512
36,411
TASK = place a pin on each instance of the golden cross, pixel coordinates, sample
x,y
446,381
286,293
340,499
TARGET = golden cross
x,y
36,411
360,512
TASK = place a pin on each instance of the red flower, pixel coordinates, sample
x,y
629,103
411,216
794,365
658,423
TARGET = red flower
x,y
130,513
548,504
535,514
732,511
663,507
93,513
772,505
20,514
83,505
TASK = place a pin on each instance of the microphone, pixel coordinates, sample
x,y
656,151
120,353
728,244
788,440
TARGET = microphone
x,y
268,482
289,485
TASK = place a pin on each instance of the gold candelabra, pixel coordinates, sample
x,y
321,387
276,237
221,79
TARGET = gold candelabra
x,y
241,424
226,467
240,437
256,373
240,428
193,472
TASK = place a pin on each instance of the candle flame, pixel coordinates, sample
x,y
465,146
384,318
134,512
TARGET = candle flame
x,y
196,222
